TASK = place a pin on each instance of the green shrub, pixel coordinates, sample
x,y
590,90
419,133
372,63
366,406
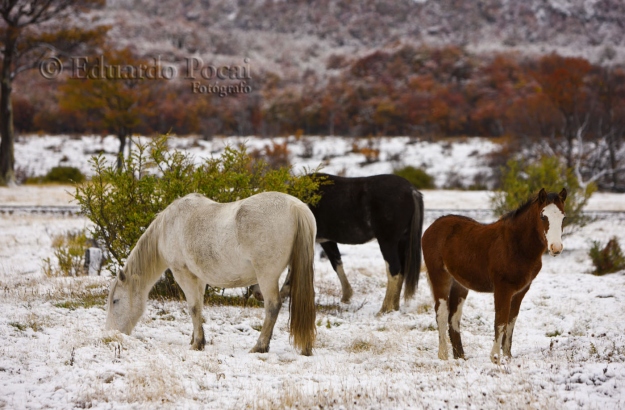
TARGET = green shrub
x,y
416,176
64,175
69,251
520,181
59,175
122,203
608,258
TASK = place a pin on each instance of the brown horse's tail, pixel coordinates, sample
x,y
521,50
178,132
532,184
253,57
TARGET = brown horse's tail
x,y
412,263
302,300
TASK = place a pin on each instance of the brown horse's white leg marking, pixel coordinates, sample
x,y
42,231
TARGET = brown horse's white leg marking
x,y
455,302
346,288
442,315
507,344
514,313
455,319
495,353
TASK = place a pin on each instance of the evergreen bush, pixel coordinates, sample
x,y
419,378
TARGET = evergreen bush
x,y
521,180
122,203
418,177
60,175
608,258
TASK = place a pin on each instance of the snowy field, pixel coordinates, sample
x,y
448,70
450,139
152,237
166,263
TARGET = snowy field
x,y
462,161
568,352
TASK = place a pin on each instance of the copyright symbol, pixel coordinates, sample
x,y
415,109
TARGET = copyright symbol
x,y
50,68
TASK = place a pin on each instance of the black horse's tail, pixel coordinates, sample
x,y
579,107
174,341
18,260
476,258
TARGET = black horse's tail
x,y
412,264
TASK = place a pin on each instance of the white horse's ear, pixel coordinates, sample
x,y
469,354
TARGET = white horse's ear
x,y
121,275
563,194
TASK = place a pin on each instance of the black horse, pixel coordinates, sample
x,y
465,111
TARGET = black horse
x,y
357,210
385,207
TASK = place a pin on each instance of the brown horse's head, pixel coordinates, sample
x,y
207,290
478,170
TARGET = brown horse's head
x,y
551,206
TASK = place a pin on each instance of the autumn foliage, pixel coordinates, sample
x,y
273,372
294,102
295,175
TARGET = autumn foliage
x,y
407,90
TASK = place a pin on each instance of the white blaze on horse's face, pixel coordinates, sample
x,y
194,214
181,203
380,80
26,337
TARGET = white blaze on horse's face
x,y
554,216
123,312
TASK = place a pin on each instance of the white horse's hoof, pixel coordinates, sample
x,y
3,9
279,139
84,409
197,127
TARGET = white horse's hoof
x,y
259,349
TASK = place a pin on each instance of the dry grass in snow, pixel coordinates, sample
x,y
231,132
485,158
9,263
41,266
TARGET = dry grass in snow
x,y
569,347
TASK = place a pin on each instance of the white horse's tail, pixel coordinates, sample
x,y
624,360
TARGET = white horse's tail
x,y
302,300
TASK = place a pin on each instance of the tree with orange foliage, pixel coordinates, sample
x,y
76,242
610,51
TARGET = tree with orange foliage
x,y
114,102
562,81
31,31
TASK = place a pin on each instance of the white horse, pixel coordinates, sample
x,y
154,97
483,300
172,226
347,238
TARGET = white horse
x,y
226,245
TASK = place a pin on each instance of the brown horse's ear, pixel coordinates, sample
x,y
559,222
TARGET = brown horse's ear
x,y
563,194
542,195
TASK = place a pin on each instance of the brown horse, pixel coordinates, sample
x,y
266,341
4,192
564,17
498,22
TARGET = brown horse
x,y
503,258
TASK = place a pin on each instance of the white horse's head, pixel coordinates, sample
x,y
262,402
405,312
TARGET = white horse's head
x,y
125,304
552,216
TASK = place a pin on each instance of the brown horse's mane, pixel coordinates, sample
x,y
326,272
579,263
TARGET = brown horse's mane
x,y
520,210
551,198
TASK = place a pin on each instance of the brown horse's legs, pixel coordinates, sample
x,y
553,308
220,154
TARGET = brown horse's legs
x,y
503,298
394,276
442,312
514,312
457,296
193,290
440,282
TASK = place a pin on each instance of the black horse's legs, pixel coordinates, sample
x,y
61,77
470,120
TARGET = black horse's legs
x,y
193,290
285,292
457,296
514,312
332,250
394,275
254,290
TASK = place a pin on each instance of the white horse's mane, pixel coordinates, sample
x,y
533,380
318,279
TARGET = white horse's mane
x,y
144,258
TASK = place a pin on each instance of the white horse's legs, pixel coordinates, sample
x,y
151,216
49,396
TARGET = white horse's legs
x,y
271,295
193,289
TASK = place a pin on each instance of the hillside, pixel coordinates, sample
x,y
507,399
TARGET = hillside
x,y
282,36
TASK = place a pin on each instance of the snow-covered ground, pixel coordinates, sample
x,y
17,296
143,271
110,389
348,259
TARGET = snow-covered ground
x,y
459,162
569,347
